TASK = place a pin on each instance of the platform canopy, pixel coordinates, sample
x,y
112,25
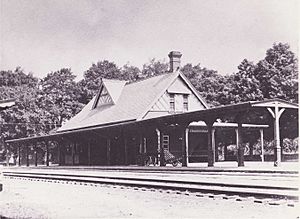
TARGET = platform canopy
x,y
235,110
239,113
201,115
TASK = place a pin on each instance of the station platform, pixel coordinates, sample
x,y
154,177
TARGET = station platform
x,y
250,166
254,178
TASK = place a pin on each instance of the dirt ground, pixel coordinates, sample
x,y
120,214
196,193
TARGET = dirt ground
x,y
33,199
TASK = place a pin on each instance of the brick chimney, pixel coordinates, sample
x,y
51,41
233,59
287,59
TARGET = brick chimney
x,y
174,60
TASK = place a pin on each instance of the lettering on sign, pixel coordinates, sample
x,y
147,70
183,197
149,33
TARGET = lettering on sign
x,y
198,131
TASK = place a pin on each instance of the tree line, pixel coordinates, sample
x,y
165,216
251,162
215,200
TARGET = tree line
x,y
43,104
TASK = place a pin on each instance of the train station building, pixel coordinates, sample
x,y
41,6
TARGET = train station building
x,y
156,121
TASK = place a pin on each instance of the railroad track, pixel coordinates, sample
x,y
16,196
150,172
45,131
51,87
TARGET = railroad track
x,y
193,193
257,192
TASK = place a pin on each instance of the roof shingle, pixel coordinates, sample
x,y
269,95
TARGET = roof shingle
x,y
134,100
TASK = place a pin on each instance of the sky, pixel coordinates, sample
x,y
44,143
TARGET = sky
x,y
46,35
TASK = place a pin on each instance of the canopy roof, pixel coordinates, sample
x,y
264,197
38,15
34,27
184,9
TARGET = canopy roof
x,y
189,116
245,107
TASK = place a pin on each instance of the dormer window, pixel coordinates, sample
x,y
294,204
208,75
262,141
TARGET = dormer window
x,y
109,93
172,102
103,98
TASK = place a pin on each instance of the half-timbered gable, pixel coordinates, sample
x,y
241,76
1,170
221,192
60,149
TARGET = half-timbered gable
x,y
109,92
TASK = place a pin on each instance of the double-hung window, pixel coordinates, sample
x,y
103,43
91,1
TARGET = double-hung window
x,y
172,102
185,103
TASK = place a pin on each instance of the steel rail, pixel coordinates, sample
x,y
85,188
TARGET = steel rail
x,y
217,188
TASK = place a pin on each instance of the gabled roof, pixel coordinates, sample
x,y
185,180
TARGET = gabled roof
x,y
114,88
273,103
186,80
133,103
109,92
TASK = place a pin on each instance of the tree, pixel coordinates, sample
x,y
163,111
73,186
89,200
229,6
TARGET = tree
x,y
92,77
277,73
208,82
16,78
243,85
154,67
273,77
40,106
58,97
131,73
18,120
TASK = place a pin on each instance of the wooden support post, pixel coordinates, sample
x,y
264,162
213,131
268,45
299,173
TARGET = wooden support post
x,y
35,155
140,144
125,151
73,153
47,153
145,145
89,153
142,149
277,151
27,155
262,144
108,148
251,145
184,143
59,153
213,143
210,142
281,149
158,145
7,154
276,114
183,148
225,152
19,155
187,146
239,145
162,153
211,147
63,152
216,146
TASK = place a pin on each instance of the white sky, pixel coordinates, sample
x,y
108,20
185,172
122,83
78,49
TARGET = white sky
x,y
46,35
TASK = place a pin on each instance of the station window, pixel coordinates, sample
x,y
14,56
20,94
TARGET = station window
x,y
185,103
172,102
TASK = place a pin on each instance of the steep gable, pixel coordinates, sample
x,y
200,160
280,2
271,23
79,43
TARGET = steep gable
x,y
114,88
109,92
178,86
184,97
132,101
131,104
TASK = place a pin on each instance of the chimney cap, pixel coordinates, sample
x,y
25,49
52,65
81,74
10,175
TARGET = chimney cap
x,y
175,54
